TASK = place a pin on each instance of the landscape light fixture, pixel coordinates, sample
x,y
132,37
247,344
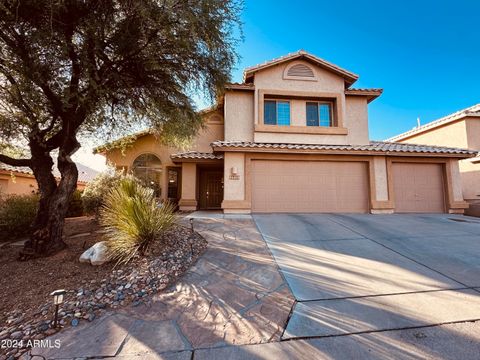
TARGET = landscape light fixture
x,y
58,296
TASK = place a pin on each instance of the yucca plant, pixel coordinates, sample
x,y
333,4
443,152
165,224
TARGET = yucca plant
x,y
132,220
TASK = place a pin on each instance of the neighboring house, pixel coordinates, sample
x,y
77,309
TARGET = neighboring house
x,y
293,137
20,180
460,129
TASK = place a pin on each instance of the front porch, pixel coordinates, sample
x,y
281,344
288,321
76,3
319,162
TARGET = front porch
x,y
202,181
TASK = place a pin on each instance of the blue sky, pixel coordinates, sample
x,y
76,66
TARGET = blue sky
x,y
424,54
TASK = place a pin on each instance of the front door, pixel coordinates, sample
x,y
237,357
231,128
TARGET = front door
x,y
211,189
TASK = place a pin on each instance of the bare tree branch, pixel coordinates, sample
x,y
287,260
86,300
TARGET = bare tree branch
x,y
15,162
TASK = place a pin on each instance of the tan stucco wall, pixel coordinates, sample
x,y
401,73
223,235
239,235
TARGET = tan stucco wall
x,y
144,145
243,109
453,134
148,144
464,133
356,120
381,179
272,78
239,115
17,184
189,186
234,186
213,130
21,184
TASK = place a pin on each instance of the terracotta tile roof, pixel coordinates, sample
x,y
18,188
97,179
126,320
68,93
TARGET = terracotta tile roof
x,y
374,146
239,86
85,174
473,111
349,77
197,155
371,94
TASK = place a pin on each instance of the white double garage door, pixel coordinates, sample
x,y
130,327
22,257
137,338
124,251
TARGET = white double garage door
x,y
342,186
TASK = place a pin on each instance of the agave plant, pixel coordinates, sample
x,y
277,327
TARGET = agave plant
x,y
132,220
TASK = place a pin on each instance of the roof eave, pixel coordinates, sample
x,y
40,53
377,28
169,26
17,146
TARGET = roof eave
x,y
369,94
341,152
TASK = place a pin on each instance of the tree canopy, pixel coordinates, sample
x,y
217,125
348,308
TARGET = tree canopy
x,y
69,67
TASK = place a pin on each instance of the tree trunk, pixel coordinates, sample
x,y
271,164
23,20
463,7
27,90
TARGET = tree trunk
x,y
47,229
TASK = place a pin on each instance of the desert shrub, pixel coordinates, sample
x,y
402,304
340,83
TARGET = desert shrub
x,y
94,193
132,219
17,213
75,206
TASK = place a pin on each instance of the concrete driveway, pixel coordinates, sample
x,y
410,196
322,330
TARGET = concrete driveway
x,y
353,274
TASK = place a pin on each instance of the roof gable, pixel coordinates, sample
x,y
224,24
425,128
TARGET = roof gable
x,y
348,76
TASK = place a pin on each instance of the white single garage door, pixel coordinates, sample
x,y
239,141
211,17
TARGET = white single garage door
x,y
418,188
309,186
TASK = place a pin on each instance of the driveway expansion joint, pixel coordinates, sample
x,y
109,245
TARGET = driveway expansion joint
x,y
381,330
387,294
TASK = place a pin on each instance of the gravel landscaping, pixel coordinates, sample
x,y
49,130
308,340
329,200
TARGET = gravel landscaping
x,y
27,308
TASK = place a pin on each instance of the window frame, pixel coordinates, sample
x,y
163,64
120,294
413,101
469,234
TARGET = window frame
x,y
277,100
318,103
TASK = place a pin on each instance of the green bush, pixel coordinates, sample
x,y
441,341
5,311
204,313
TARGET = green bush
x,y
75,206
133,220
17,213
94,193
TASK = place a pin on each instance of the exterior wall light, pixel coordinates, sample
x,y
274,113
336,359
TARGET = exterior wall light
x,y
234,175
58,296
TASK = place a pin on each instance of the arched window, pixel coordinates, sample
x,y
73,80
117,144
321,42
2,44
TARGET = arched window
x,y
148,168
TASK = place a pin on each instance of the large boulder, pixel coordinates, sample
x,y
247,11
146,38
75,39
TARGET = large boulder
x,y
96,255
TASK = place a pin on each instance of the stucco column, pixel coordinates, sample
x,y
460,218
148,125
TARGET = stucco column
x,y
456,203
188,202
380,201
234,184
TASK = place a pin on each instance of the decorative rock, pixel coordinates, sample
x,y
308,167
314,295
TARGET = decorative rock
x,y
96,255
99,295
43,327
91,316
50,332
75,322
16,335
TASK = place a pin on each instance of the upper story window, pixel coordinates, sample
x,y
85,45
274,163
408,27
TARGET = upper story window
x,y
276,112
319,114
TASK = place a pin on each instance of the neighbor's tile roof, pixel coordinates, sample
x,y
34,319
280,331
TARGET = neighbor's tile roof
x,y
471,111
197,155
374,146
85,174
302,54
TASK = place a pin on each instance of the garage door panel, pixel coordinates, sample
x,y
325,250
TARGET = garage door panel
x,y
309,186
418,187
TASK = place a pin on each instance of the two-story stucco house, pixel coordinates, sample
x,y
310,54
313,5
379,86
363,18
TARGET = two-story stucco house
x,y
460,129
293,137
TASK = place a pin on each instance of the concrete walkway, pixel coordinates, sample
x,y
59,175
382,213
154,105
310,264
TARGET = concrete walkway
x,y
234,295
